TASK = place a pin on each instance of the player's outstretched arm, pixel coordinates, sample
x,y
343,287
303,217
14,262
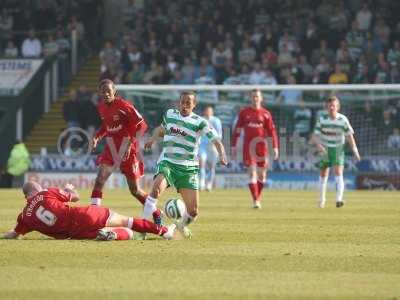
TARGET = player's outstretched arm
x,y
158,133
353,145
11,234
221,151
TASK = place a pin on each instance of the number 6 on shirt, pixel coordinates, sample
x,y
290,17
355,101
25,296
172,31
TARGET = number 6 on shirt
x,y
46,216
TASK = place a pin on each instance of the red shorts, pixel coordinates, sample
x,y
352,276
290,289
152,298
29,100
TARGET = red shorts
x,y
130,166
87,220
257,156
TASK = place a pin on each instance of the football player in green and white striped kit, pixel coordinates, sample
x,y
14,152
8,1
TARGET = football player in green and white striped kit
x,y
331,131
178,164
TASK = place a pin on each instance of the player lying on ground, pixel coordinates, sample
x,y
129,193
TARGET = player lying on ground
x,y
208,154
47,211
257,124
178,164
331,131
121,124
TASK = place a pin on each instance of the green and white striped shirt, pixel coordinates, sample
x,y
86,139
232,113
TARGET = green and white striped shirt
x,y
332,132
182,135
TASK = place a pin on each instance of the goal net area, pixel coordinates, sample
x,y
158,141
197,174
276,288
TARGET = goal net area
x,y
373,111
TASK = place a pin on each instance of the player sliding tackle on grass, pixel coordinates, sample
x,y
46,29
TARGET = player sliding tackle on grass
x,y
178,166
330,132
47,212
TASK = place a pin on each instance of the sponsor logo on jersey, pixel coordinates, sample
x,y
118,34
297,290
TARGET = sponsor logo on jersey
x,y
114,128
254,125
177,131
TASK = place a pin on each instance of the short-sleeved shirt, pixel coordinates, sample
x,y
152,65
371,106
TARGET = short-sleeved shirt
x,y
332,132
119,119
48,213
182,135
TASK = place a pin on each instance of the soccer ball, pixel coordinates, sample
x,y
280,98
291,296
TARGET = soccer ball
x,y
174,208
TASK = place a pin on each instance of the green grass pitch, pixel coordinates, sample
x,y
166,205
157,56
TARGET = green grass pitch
x,y
288,250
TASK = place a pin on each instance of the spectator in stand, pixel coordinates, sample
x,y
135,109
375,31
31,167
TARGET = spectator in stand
x,y
177,77
323,50
136,74
285,57
291,97
355,39
258,75
245,74
11,51
220,55
323,69
394,139
306,68
50,47
75,24
6,26
338,76
205,63
387,124
64,47
382,32
88,115
311,38
247,54
71,110
172,64
110,57
270,57
188,70
288,41
393,56
31,47
130,56
364,18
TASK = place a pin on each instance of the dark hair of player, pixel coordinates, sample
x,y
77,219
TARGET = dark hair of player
x,y
106,82
332,99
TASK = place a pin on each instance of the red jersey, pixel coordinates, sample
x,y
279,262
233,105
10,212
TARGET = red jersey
x,y
49,213
255,123
119,119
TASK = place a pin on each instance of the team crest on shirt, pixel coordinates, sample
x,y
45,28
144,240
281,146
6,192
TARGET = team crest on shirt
x,y
115,118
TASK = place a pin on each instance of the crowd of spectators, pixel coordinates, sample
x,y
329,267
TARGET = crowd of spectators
x,y
256,42
41,28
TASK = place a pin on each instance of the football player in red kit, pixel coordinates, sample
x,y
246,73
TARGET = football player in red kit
x,y
121,123
257,124
47,211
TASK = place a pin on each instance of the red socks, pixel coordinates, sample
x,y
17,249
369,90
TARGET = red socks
x,y
123,234
260,186
254,190
143,225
